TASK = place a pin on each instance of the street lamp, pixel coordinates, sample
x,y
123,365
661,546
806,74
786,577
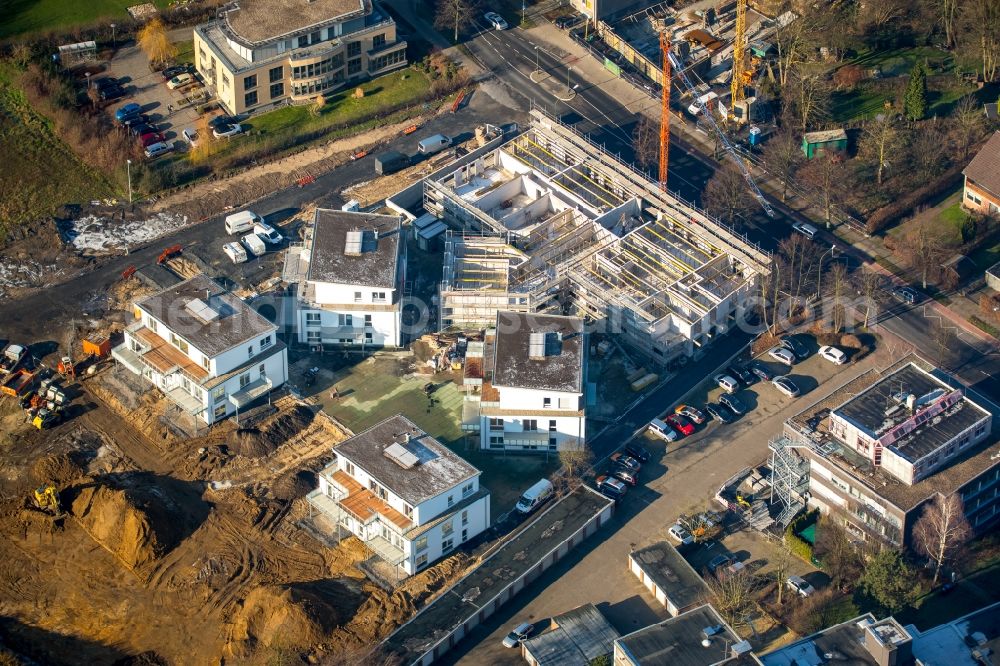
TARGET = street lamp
x,y
113,42
568,67
87,74
536,59
128,171
819,271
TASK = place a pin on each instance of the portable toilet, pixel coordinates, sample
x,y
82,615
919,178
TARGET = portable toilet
x,y
755,136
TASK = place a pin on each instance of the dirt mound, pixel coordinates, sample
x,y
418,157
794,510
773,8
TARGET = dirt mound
x,y
138,528
148,658
292,616
264,440
59,468
294,485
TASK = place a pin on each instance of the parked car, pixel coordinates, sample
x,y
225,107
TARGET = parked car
x,y
719,412
782,355
268,233
254,245
221,131
786,386
138,119
637,451
111,93
762,371
496,20
833,355
105,82
800,585
662,430
795,345
623,475
681,424
157,149
735,405
807,230
626,461
727,383
691,412
610,487
741,373
223,120
139,130
150,138
566,22
719,561
518,635
905,295
176,70
678,533
191,136
235,252
180,81
127,111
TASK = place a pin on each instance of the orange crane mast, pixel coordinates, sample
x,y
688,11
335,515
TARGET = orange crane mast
x,y
664,111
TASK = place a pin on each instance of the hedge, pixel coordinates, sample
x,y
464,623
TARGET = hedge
x,y
799,546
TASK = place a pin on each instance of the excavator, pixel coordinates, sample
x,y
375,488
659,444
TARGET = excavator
x,y
46,499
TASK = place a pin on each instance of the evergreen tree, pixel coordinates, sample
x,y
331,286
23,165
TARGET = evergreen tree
x,y
915,100
890,581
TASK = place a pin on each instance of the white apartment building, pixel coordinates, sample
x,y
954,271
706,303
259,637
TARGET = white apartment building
x,y
350,274
209,352
535,398
404,494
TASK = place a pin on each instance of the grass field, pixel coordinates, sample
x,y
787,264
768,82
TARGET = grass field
x,y
24,16
40,173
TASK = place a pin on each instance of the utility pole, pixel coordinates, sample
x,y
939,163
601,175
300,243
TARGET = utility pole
x,y
819,271
128,171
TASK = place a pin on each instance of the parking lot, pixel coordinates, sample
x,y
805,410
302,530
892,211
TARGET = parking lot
x,y
681,478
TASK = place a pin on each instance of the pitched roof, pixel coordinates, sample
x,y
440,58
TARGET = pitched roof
x,y
576,637
984,168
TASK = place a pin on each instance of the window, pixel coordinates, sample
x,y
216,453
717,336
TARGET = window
x,y
354,66
220,411
496,442
250,351
420,544
447,545
244,379
312,319
395,58
349,468
250,99
530,425
451,500
225,81
277,90
177,342
552,425
496,424
552,444
219,394
303,41
353,49
546,402
151,323
447,528
265,343
313,336
421,561
357,297
368,320
262,370
378,297
467,489
369,337
378,41
338,61
408,511
465,520
250,82
206,362
314,38
377,489
972,197
465,535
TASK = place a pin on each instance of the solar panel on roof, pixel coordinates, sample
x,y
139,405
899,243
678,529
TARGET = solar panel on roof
x,y
353,245
401,456
202,310
536,345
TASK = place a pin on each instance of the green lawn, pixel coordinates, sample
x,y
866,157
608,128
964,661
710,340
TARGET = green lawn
x,y
971,594
848,105
23,16
42,170
185,51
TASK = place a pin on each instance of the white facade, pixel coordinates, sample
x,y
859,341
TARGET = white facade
x,y
533,420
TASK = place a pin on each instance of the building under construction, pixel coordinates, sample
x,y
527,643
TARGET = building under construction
x,y
549,222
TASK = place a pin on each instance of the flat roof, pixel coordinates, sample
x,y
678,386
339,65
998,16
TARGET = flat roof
x,y
436,470
678,641
953,643
373,266
881,407
672,573
561,367
575,637
823,136
263,20
846,641
226,321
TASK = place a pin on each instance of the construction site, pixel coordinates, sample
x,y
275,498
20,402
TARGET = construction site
x,y
551,223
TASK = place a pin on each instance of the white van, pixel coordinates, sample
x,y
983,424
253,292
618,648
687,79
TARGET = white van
x,y
662,430
807,230
433,144
235,252
255,244
702,102
241,222
534,497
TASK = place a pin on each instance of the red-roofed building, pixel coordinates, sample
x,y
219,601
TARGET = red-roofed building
x,y
982,179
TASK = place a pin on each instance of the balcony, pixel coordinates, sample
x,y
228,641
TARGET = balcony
x,y
128,358
250,392
187,402
326,505
385,550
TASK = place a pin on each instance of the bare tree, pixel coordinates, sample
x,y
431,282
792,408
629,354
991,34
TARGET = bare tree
x,y
941,530
735,594
879,141
726,195
827,173
981,34
576,459
870,284
155,43
646,142
841,558
838,282
793,42
457,14
783,154
923,249
969,125
809,98
782,564
947,11
876,15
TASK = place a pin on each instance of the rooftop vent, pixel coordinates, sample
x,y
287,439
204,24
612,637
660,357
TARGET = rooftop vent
x,y
398,454
741,648
202,310
536,346
911,402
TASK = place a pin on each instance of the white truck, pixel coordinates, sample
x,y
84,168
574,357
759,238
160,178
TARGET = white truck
x,y
255,244
235,252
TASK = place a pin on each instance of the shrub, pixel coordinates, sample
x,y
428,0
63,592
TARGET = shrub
x,y
851,342
796,544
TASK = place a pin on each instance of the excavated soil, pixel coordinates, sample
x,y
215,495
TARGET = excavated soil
x,y
259,442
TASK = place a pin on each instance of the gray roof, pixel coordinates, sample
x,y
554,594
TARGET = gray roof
x,y
984,168
259,21
438,469
375,266
574,638
678,641
561,369
953,643
845,641
867,411
671,573
236,323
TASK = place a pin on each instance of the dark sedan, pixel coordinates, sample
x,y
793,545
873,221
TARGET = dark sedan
x,y
762,371
719,412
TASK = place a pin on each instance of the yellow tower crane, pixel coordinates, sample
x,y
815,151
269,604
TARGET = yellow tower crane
x,y
739,57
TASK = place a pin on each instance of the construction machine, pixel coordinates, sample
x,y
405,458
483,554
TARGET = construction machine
x,y
48,417
47,499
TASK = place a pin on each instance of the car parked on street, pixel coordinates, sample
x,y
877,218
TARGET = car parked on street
x,y
762,371
719,561
156,149
727,383
905,295
610,487
795,345
129,110
180,81
678,533
623,475
138,119
150,138
691,412
807,230
681,424
637,451
800,586
518,635
566,22
833,355
496,20
222,131
141,130
782,355
786,386
626,461
735,405
223,120
719,412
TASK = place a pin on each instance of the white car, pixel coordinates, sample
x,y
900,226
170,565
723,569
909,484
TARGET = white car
x,y
782,355
268,233
495,20
520,634
678,533
799,584
179,81
235,252
727,383
833,355
226,130
191,136
786,386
